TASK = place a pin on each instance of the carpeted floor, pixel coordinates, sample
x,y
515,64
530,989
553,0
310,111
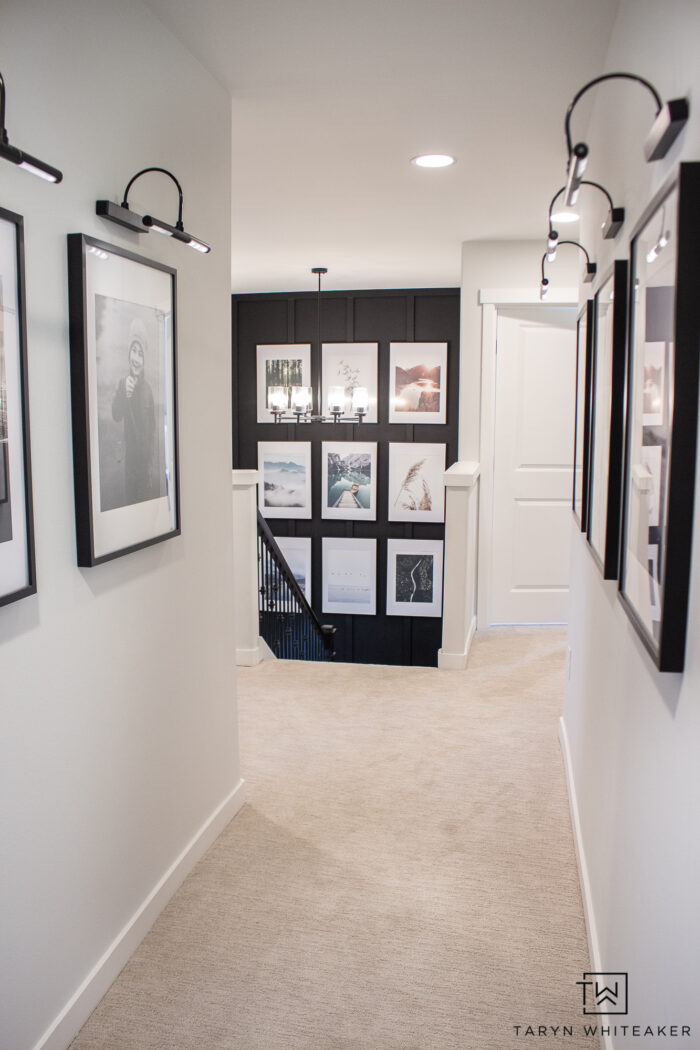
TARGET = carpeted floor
x,y
402,877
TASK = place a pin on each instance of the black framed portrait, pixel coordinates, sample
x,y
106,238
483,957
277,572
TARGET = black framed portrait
x,y
607,419
17,564
582,422
662,413
124,399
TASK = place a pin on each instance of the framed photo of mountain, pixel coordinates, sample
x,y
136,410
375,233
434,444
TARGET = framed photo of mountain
x,y
280,365
414,578
349,575
297,551
416,484
350,365
349,480
284,487
417,382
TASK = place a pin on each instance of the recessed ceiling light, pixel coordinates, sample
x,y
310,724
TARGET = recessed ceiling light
x,y
433,160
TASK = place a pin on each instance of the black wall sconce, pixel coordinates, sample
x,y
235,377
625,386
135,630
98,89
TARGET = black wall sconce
x,y
591,267
18,156
670,119
613,221
122,214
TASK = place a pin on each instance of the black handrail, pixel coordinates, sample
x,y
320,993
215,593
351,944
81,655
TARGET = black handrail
x,y
287,622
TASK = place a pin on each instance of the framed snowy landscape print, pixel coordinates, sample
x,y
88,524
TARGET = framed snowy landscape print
x,y
297,552
349,575
414,578
417,382
350,365
349,485
280,365
284,487
416,485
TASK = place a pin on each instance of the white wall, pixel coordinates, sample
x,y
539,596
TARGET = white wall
x,y
633,733
117,703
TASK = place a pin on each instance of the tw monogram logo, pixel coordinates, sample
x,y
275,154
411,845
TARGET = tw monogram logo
x,y
604,993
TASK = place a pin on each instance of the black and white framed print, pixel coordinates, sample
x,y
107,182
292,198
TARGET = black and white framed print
x,y
280,365
582,425
417,382
349,575
124,397
662,414
414,578
349,480
416,482
350,366
607,419
297,552
17,570
284,487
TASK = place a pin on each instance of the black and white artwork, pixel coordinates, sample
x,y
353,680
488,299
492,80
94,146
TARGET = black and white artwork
x,y
417,382
414,578
280,365
350,365
123,379
17,578
416,482
349,575
284,487
349,484
297,553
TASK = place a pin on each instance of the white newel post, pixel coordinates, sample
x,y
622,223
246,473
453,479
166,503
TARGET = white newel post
x,y
245,566
459,592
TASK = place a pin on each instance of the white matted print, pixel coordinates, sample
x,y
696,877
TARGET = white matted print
x,y
297,552
414,578
349,480
284,488
417,382
416,482
280,364
349,576
350,365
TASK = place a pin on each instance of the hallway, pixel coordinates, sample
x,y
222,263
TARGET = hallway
x,y
403,875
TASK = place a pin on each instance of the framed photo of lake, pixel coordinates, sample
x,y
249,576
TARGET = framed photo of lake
x,y
17,569
349,480
349,575
414,578
284,489
417,382
280,365
124,399
662,418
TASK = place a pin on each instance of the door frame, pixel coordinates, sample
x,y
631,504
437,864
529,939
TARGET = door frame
x,y
490,300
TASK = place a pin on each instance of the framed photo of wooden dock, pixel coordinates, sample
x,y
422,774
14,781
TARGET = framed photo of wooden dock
x,y
349,480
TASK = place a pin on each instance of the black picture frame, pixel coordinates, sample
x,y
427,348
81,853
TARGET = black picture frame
x,y
607,427
122,311
17,555
662,418
585,326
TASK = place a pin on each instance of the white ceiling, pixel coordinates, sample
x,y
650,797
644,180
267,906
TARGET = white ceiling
x,y
331,99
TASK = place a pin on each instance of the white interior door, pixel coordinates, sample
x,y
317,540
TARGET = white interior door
x,y
533,458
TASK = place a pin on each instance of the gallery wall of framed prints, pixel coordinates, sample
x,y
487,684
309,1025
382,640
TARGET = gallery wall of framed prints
x,y
375,517
662,418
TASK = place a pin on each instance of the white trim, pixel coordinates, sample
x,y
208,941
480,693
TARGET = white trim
x,y
457,661
525,296
249,657
75,1013
462,475
243,479
489,328
586,894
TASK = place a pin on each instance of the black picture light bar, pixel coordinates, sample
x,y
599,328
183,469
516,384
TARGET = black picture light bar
x,y
124,216
19,156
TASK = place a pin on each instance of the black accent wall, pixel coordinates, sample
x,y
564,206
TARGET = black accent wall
x,y
415,315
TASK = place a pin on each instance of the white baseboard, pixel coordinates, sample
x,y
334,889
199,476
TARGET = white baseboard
x,y
75,1013
588,910
457,661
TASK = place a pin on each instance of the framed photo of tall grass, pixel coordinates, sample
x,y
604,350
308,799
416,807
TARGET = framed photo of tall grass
x,y
608,419
17,569
416,482
350,365
124,399
280,365
582,426
662,418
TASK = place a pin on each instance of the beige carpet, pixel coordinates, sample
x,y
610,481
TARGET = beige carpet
x,y
403,875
